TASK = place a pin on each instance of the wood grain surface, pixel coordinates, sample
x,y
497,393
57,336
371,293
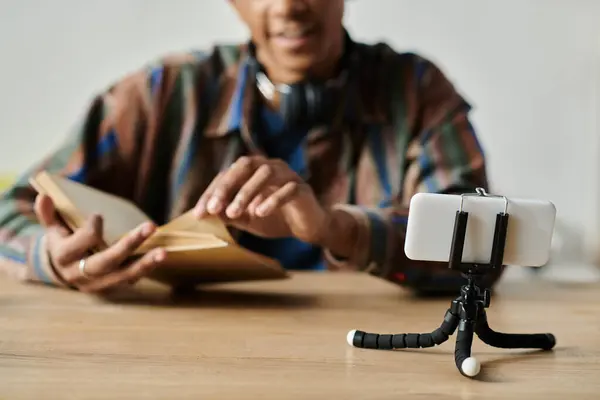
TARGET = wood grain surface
x,y
286,340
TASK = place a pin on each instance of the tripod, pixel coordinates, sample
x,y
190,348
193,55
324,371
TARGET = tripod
x,y
467,311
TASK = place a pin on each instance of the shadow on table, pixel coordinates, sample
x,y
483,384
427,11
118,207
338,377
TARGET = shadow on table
x,y
490,368
236,297
213,298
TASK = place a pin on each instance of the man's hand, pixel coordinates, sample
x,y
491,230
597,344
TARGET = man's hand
x,y
104,270
265,197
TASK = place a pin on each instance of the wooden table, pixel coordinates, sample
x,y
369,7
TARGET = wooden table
x,y
284,340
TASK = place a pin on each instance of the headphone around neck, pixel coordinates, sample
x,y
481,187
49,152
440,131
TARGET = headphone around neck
x,y
309,103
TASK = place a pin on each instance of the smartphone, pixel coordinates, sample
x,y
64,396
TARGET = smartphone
x,y
432,217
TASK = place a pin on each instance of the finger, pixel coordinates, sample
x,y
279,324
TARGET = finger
x,y
240,222
277,199
45,211
249,190
134,281
111,259
77,245
200,208
259,198
234,178
133,272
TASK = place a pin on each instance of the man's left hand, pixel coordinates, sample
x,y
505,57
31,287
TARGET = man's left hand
x,y
265,197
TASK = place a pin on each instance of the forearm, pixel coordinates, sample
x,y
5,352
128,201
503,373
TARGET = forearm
x,y
367,239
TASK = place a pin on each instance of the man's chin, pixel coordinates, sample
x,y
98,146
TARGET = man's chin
x,y
297,69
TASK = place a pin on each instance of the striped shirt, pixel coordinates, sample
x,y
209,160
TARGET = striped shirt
x,y
160,134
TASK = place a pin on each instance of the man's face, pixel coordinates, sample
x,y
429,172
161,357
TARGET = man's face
x,y
294,37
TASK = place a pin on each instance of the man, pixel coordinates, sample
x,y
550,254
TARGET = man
x,y
318,176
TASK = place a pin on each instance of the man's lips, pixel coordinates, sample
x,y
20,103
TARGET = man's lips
x,y
294,32
294,37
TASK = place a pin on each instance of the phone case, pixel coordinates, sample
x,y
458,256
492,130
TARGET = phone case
x,y
431,226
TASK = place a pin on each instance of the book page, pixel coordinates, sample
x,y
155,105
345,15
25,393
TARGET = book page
x,y
79,202
180,241
208,225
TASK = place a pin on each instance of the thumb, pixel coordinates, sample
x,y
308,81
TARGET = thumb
x,y
45,211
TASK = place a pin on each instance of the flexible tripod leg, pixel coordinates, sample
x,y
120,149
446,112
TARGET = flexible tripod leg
x,y
467,365
405,340
544,341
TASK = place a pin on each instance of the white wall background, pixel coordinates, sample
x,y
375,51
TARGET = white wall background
x,y
531,68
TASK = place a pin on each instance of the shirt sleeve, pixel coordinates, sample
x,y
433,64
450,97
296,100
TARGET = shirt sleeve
x,y
97,153
443,155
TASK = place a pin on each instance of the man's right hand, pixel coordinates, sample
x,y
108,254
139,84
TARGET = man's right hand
x,y
104,270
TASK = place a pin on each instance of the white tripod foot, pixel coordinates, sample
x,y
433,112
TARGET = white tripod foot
x,y
470,367
350,337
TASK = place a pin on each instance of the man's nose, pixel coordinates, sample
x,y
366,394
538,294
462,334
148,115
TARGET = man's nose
x,y
289,7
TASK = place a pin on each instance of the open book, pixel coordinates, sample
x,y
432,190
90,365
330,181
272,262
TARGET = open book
x,y
198,251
